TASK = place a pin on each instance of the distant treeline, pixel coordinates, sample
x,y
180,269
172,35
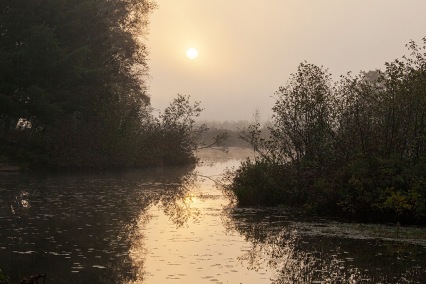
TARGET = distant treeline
x,y
73,92
355,148
234,131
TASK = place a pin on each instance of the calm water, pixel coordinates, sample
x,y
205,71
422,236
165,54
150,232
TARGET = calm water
x,y
175,226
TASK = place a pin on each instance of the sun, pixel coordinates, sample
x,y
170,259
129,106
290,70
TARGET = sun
x,y
192,53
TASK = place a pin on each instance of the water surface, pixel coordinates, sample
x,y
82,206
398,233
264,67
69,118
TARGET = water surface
x,y
175,225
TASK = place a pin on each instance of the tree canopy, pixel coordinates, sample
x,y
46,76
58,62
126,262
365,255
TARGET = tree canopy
x,y
62,58
73,91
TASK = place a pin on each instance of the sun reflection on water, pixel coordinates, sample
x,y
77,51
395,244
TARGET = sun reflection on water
x,y
190,199
164,225
187,242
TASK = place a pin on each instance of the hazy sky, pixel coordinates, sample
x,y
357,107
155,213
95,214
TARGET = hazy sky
x,y
247,48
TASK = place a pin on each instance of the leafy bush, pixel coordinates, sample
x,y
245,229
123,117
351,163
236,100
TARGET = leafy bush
x,y
258,183
356,148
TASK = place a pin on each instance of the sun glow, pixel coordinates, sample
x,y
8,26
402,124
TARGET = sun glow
x,y
192,53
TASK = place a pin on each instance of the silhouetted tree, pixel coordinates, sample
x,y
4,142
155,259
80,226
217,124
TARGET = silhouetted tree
x,y
73,71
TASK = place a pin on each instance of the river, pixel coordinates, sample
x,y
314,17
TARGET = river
x,y
174,225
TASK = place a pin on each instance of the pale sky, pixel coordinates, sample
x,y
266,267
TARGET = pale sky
x,y
247,48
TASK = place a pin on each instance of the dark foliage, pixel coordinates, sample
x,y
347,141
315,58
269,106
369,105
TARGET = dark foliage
x,y
73,92
356,148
